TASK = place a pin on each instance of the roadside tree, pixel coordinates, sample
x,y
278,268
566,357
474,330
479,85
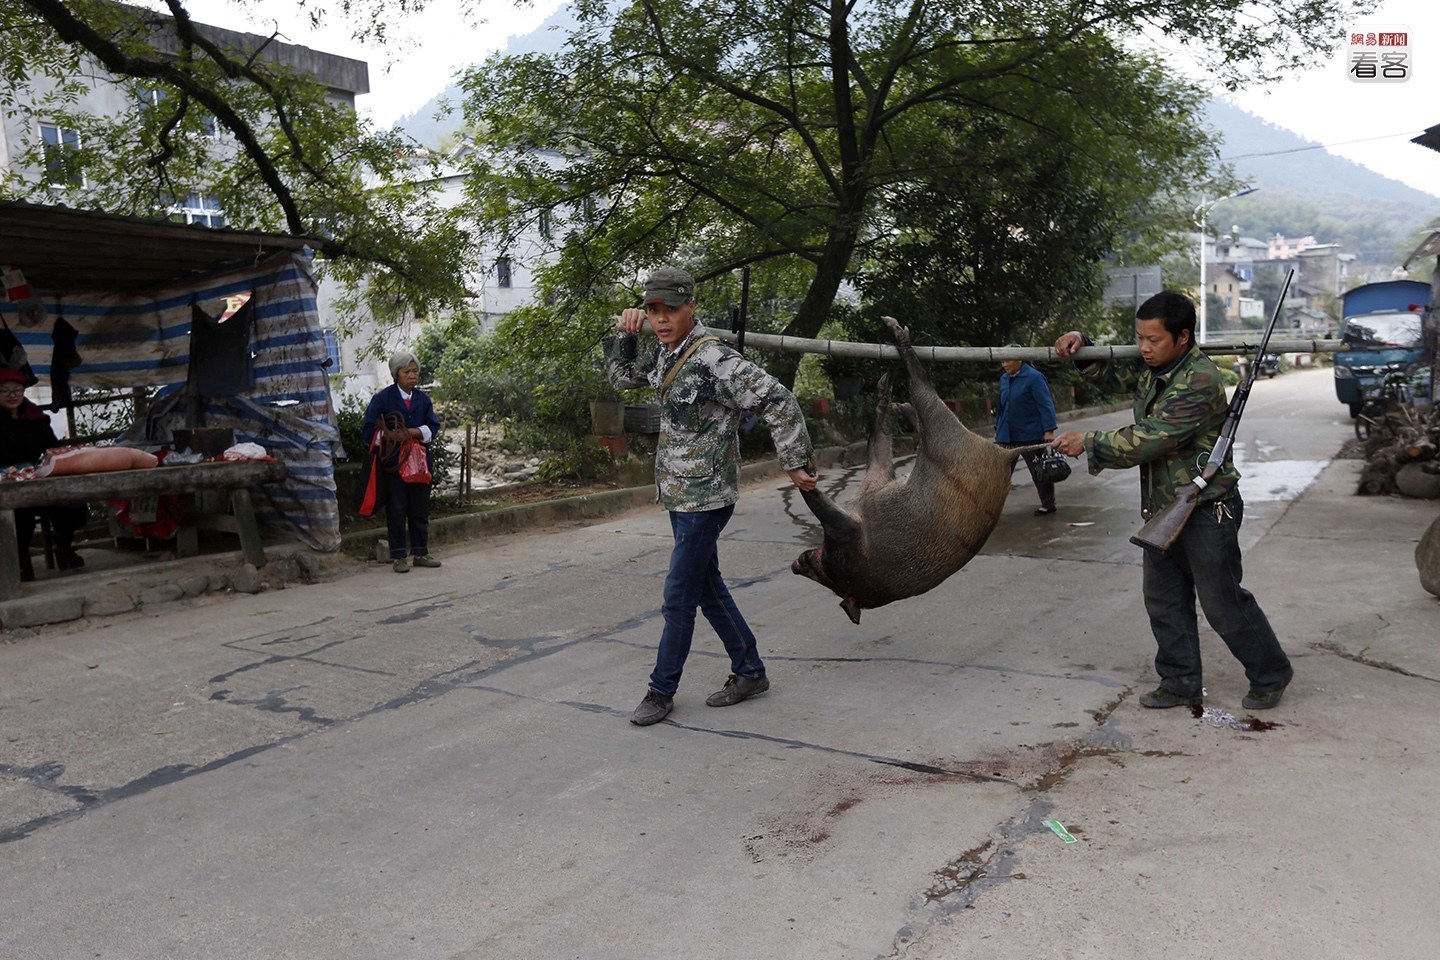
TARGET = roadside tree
x,y
778,134
230,122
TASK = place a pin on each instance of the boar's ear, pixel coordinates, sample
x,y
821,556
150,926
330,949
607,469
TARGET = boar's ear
x,y
839,525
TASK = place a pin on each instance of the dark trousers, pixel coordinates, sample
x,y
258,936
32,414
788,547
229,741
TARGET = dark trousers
x,y
407,509
64,519
1044,488
694,581
1205,562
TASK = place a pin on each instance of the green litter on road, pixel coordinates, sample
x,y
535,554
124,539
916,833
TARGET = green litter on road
x,y
1059,830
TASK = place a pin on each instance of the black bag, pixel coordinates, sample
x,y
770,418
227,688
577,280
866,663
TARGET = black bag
x,y
1049,466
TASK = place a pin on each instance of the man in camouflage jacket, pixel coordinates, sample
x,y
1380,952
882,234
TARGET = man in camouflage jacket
x,y
1179,407
702,387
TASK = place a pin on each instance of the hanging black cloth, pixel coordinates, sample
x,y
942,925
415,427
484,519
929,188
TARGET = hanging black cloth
x,y
63,359
220,361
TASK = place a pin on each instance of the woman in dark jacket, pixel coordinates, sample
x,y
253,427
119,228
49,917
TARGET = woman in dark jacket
x,y
1025,415
25,435
398,413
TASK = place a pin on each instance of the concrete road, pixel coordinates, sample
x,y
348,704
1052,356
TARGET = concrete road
x,y
438,765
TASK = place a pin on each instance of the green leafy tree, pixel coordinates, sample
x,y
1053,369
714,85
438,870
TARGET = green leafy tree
x,y
775,133
286,159
1015,254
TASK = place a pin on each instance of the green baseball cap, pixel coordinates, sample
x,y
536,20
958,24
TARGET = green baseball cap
x,y
669,285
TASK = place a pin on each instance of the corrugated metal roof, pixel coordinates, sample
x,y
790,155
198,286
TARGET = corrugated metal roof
x,y
64,250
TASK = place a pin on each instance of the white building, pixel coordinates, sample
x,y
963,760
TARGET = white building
x,y
21,128
499,281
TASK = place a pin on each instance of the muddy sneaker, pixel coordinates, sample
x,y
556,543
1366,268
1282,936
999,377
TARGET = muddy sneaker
x,y
425,561
654,708
737,688
1262,699
1160,698
400,566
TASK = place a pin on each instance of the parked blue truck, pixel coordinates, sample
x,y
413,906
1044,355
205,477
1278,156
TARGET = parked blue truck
x,y
1383,327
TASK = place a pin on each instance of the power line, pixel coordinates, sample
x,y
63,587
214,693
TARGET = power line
x,y
1322,146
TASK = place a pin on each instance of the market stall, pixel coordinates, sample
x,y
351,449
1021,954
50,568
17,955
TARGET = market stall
x,y
218,328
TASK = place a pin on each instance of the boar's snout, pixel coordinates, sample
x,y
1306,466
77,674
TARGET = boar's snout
x,y
809,564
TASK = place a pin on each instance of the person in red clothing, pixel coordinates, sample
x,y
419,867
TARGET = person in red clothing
x,y
25,435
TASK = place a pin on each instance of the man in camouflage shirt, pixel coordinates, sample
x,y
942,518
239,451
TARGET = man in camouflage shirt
x,y
702,387
1179,407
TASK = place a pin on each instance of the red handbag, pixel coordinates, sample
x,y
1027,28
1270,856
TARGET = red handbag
x,y
414,466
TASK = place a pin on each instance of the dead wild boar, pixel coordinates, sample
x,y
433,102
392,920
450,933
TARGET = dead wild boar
x,y
903,536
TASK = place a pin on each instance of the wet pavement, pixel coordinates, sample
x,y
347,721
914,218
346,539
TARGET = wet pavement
x,y
439,764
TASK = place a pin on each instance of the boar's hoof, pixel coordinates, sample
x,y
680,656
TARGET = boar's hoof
x,y
902,334
851,608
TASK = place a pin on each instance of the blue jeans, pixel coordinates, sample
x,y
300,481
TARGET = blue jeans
x,y
1205,562
694,581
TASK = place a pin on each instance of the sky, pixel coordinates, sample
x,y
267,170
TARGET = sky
x,y
1369,123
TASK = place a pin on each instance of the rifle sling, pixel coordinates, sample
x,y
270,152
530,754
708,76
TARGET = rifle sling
x,y
670,377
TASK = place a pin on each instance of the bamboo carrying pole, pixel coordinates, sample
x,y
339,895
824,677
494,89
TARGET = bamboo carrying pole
x,y
879,351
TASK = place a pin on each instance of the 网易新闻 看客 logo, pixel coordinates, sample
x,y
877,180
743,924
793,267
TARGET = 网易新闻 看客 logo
x,y
1379,54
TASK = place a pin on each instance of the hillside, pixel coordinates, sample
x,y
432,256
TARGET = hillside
x,y
1304,189
1293,160
427,128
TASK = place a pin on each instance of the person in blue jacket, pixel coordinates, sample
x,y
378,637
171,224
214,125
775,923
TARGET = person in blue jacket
x,y
398,413
1025,415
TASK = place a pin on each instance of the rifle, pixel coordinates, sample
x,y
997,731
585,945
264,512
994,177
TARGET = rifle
x,y
1161,531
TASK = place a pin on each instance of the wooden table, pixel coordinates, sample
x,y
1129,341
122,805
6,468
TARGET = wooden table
x,y
184,479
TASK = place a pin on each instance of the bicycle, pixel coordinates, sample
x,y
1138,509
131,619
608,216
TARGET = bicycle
x,y
1392,395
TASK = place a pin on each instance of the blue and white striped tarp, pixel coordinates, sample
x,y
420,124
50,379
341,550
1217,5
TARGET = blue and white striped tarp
x,y
127,340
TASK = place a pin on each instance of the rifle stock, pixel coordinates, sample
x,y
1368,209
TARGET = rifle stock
x,y
1161,531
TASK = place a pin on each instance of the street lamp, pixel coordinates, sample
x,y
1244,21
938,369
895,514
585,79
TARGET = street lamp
x,y
1200,211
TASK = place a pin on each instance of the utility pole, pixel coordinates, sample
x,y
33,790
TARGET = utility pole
x,y
1200,211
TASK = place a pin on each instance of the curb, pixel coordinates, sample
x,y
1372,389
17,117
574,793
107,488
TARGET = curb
x,y
591,506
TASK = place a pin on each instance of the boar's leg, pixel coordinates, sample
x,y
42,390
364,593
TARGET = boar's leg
x,y
838,525
880,449
936,422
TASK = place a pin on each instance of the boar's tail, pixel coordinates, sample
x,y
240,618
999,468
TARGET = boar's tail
x,y
1014,453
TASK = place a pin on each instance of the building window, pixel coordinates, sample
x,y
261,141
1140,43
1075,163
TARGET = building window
x,y
502,272
545,228
200,209
62,161
332,352
154,96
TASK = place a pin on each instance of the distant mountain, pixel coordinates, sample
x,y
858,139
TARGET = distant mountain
x,y
1272,156
1306,190
427,127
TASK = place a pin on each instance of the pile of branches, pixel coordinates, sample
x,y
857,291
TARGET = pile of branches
x,y
1404,435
